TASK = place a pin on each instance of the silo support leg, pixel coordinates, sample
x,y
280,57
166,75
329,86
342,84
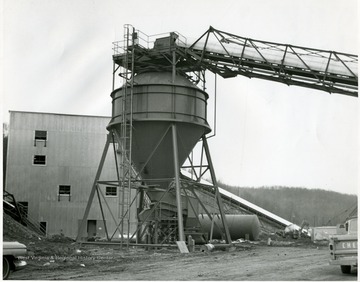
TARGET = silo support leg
x,y
177,184
217,194
92,193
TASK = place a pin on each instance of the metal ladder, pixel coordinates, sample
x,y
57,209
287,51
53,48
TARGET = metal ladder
x,y
126,133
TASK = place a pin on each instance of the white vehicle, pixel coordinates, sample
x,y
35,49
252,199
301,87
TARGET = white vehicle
x,y
11,253
343,247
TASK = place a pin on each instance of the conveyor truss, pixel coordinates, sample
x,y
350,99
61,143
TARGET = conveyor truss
x,y
229,55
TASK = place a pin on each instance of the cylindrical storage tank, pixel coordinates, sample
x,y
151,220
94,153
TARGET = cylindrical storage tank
x,y
158,102
240,226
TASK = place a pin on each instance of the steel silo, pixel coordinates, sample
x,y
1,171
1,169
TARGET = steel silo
x,y
160,100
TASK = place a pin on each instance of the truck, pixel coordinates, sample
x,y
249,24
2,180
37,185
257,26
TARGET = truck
x,y
12,252
343,246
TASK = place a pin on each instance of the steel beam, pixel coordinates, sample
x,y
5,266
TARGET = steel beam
x,y
102,212
177,184
216,187
92,193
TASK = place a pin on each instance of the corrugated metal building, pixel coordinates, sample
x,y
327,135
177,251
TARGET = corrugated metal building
x,y
52,161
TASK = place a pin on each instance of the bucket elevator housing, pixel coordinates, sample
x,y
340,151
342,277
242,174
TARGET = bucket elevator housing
x,y
159,114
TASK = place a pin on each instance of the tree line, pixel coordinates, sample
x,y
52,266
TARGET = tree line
x,y
319,207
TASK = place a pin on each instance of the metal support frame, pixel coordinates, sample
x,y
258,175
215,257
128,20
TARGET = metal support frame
x,y
122,220
204,208
151,211
216,187
177,184
125,174
102,211
93,189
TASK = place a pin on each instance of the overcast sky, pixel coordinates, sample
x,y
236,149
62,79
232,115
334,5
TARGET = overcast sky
x,y
57,57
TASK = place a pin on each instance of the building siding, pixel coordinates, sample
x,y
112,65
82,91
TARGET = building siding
x,y
73,150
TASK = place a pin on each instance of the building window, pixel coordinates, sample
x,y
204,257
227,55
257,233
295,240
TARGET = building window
x,y
43,226
64,190
39,160
40,135
111,191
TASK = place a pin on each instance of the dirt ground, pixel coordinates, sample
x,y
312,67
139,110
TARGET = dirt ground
x,y
249,261
60,258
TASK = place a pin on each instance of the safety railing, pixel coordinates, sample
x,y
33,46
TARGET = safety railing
x,y
145,41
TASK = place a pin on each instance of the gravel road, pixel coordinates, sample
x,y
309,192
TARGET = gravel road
x,y
249,261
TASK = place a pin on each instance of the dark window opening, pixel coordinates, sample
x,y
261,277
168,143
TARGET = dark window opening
x,y
111,191
40,135
64,190
43,227
91,228
39,160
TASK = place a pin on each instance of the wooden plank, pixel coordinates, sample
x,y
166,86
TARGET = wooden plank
x,y
182,247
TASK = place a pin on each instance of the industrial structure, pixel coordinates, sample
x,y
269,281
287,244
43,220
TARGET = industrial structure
x,y
51,162
159,113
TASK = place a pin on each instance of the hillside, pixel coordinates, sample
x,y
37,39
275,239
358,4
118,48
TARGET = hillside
x,y
318,207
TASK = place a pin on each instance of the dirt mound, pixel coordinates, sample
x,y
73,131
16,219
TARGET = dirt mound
x,y
37,245
15,231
